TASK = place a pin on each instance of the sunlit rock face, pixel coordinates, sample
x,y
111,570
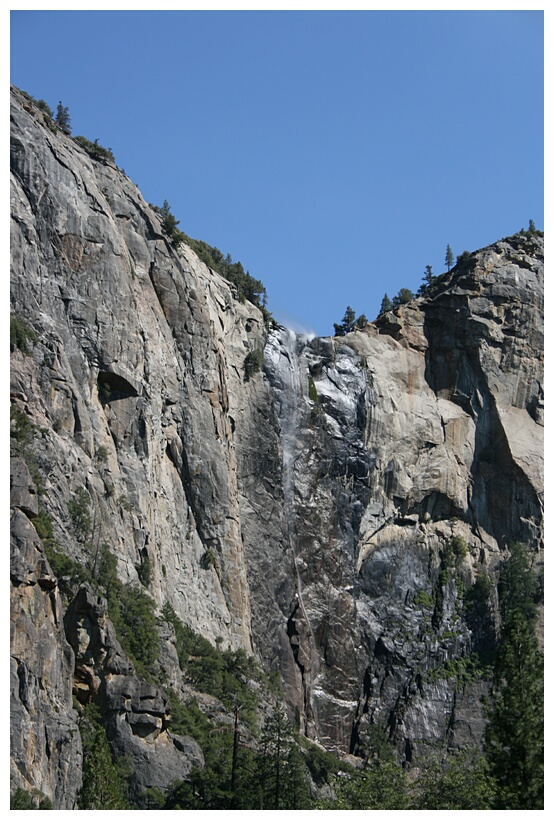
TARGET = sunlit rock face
x,y
421,428
305,513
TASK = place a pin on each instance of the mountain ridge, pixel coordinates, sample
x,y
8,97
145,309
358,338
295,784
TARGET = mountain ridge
x,y
302,511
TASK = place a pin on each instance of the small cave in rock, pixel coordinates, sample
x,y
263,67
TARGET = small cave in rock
x,y
438,507
112,387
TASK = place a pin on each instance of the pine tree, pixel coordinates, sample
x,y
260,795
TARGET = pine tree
x,y
461,782
169,225
62,117
102,787
515,734
382,785
386,304
281,772
428,279
449,258
403,296
348,323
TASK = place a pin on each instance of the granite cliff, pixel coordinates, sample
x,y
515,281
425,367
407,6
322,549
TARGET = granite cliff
x,y
327,513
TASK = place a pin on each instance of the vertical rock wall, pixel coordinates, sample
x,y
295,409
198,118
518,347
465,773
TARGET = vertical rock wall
x,y
423,428
305,513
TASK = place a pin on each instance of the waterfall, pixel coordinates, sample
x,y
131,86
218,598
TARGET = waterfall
x,y
287,370
283,368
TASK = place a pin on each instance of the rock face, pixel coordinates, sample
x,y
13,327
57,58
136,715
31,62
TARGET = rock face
x,y
420,429
325,513
45,741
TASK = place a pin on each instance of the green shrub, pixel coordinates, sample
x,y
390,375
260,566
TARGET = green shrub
x,y
104,571
223,674
22,429
188,719
247,286
463,670
124,503
459,549
312,390
443,578
132,613
152,798
348,323
465,256
461,782
102,787
24,801
102,453
253,363
144,571
384,785
79,511
169,225
95,150
424,600
21,334
62,565
45,108
43,525
321,764
65,567
453,552
403,296
62,118
104,393
208,559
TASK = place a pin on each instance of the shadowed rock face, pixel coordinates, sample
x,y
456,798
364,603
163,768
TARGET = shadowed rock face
x,y
305,513
45,743
424,427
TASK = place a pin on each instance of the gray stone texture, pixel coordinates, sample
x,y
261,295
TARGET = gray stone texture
x,y
324,489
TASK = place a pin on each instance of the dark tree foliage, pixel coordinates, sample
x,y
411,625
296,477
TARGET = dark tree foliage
x,y
24,801
21,334
62,118
102,788
131,610
253,363
348,323
515,734
382,785
227,779
79,510
465,256
386,304
449,257
479,617
133,615
281,772
428,279
237,776
95,150
45,108
403,296
223,674
247,286
461,782
518,586
169,225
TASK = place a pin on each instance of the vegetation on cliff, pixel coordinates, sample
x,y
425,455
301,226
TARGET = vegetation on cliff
x,y
371,584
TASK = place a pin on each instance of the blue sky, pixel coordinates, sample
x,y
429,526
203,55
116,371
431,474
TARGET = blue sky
x,y
335,154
